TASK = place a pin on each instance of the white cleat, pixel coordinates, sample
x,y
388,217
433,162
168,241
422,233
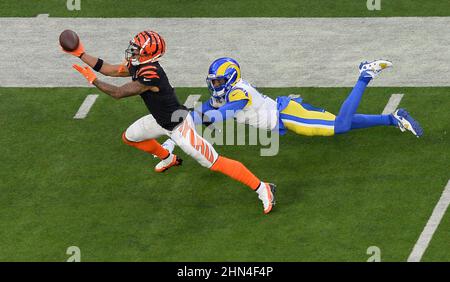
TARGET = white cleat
x,y
374,68
406,122
266,193
170,161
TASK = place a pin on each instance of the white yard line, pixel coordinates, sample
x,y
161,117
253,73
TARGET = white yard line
x,y
191,100
430,228
90,100
306,52
86,106
392,104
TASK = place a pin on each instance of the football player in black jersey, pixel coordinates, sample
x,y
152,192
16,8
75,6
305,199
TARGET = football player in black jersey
x,y
167,116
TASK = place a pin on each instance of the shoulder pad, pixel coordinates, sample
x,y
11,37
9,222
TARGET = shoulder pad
x,y
237,94
148,72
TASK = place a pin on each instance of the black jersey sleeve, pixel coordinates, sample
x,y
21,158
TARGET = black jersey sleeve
x,y
149,75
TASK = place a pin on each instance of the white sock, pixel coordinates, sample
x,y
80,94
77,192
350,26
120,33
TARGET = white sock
x,y
169,145
262,184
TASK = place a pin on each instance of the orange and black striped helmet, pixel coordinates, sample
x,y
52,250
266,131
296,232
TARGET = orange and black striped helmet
x,y
146,46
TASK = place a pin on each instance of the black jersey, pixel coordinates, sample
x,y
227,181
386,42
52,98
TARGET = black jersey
x,y
161,104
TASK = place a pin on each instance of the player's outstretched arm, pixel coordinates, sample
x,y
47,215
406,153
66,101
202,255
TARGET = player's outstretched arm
x,y
104,67
197,112
224,112
117,92
98,64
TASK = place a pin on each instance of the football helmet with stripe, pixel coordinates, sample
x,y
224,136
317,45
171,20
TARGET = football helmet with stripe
x,y
145,47
223,74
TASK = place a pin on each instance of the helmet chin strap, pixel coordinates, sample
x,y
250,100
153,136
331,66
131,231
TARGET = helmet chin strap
x,y
135,62
132,47
219,94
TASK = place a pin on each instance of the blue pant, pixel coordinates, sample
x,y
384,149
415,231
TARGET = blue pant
x,y
347,119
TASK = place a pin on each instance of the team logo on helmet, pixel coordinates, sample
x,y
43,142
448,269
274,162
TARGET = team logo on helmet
x,y
223,74
147,46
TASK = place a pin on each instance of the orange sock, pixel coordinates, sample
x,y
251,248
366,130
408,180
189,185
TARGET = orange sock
x,y
150,146
237,171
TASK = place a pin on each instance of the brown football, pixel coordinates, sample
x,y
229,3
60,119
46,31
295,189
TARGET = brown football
x,y
69,40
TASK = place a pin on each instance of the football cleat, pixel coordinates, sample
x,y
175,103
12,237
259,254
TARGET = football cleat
x,y
374,68
165,164
266,193
406,122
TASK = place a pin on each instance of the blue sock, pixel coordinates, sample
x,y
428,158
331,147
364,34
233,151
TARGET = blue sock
x,y
343,122
365,121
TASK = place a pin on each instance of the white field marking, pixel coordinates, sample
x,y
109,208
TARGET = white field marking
x,y
86,106
300,59
432,224
392,104
294,96
191,100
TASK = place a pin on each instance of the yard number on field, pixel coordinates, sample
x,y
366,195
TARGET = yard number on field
x,y
73,5
373,5
375,252
75,254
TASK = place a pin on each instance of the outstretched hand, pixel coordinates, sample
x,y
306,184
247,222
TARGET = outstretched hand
x,y
77,52
86,72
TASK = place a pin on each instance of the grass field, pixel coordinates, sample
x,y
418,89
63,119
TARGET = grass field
x,y
71,182
66,182
231,8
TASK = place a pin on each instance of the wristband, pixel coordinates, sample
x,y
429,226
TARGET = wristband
x,y
98,65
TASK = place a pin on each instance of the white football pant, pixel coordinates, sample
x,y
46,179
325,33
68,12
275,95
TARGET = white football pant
x,y
184,135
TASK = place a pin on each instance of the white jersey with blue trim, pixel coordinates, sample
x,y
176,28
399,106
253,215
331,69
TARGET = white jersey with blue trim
x,y
260,111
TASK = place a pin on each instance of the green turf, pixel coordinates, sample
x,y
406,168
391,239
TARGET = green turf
x,y
439,249
230,8
66,182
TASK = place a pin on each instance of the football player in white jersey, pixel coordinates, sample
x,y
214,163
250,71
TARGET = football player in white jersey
x,y
234,97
